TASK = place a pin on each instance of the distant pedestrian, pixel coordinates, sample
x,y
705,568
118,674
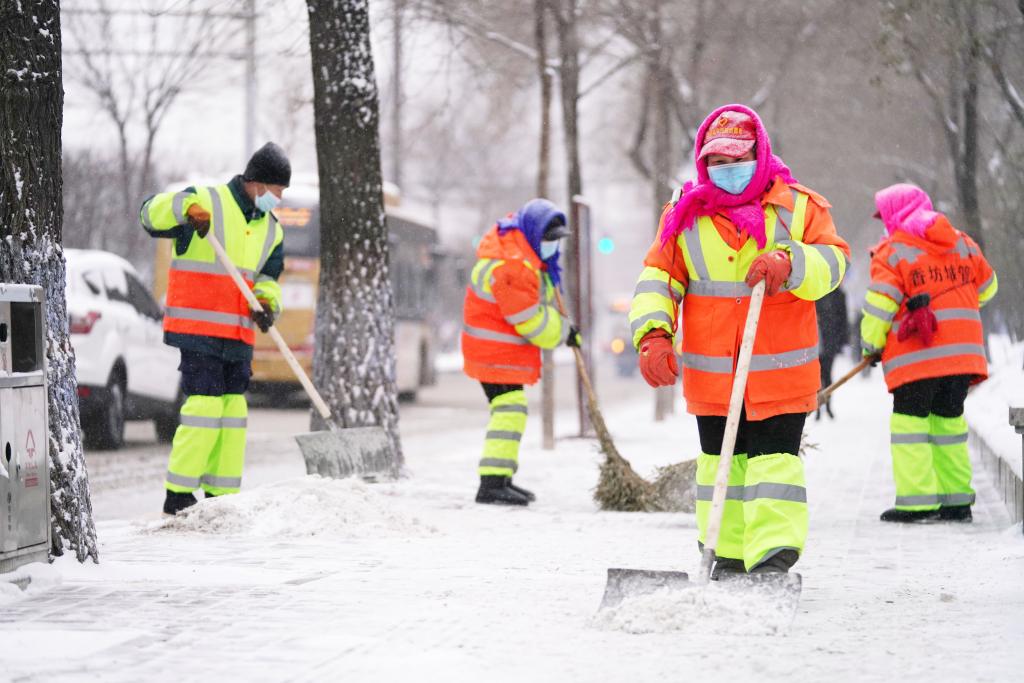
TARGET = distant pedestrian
x,y
833,335
928,281
510,315
210,321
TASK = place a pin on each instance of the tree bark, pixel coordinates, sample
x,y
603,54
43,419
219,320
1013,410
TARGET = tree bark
x,y
966,155
566,16
31,212
354,361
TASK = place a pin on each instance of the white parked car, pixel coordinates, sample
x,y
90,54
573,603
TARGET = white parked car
x,y
124,369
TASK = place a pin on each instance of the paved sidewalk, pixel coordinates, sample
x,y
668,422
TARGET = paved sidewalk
x,y
445,590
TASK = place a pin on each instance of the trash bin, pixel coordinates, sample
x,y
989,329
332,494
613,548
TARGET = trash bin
x,y
24,461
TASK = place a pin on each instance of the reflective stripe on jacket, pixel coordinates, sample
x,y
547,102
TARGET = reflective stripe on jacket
x,y
948,266
701,276
202,299
509,312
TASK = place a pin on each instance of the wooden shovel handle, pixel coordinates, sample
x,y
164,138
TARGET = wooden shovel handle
x,y
255,305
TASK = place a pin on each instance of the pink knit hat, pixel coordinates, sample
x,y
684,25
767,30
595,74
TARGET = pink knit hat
x,y
905,207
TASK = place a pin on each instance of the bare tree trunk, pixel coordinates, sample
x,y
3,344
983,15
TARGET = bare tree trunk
x,y
566,16
966,154
31,113
543,169
354,361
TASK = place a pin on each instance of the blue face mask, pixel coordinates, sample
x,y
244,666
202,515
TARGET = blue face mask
x,y
267,201
548,249
733,178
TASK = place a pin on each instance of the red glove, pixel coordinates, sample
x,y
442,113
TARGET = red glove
x,y
658,360
773,267
920,320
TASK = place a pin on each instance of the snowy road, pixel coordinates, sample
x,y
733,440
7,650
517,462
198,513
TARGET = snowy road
x,y
308,580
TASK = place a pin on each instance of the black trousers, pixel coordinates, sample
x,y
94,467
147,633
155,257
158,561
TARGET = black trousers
x,y
778,434
943,396
205,375
492,391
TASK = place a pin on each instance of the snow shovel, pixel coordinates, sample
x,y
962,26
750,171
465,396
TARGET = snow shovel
x,y
629,583
338,453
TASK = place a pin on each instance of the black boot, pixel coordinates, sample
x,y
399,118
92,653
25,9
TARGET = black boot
x,y
909,516
956,513
176,502
525,493
779,563
495,490
828,409
726,567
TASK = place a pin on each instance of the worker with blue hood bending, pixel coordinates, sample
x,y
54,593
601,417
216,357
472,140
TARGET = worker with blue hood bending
x,y
510,315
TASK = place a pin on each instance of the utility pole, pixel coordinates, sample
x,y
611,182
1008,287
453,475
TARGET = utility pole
x,y
398,7
250,78
547,404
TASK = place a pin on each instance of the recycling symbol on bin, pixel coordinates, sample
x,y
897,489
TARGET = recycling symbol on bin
x,y
30,445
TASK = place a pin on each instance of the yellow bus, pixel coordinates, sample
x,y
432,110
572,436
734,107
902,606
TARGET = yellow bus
x,y
414,257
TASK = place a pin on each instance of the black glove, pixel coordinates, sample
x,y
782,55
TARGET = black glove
x,y
574,340
199,219
918,301
263,319
201,227
874,358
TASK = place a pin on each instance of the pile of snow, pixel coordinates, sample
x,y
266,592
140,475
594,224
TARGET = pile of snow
x,y
303,507
988,405
716,608
27,581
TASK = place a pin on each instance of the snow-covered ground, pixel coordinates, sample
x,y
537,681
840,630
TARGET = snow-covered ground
x,y
988,404
307,579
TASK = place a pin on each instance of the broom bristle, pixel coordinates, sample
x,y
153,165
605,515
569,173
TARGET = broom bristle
x,y
621,489
676,486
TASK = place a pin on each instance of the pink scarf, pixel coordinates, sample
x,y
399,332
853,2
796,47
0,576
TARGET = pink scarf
x,y
704,198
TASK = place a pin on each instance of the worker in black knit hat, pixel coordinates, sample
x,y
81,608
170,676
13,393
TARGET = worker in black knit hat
x,y
210,323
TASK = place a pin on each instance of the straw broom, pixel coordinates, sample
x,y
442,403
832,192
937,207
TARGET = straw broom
x,y
619,487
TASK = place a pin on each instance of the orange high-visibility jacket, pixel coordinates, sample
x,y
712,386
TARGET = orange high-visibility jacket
x,y
703,272
948,266
508,312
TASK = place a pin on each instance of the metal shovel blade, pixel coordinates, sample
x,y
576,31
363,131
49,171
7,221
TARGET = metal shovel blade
x,y
365,452
629,583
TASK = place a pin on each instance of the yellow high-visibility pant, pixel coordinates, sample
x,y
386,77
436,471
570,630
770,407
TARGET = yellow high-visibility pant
x,y
504,432
209,445
948,437
730,536
913,466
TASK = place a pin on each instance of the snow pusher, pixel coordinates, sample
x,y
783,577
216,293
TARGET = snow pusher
x,y
780,591
355,451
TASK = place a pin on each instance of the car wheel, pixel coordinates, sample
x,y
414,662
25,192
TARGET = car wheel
x,y
166,423
107,429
